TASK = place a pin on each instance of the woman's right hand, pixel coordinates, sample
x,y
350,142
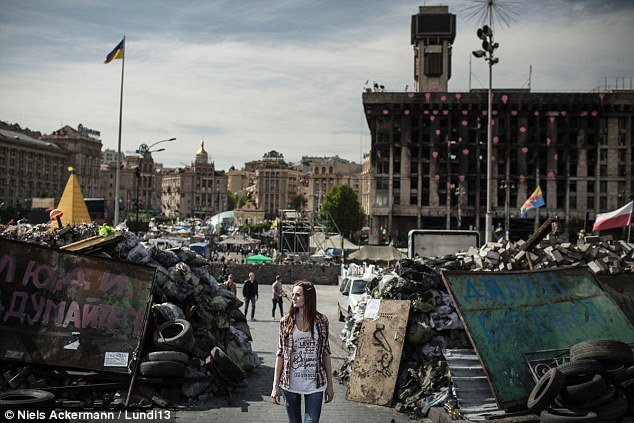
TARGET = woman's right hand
x,y
275,395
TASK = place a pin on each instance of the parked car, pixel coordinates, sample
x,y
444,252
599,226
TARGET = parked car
x,y
351,293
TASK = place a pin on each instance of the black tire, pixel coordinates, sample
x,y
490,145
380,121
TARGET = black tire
x,y
614,409
602,349
176,335
26,399
621,375
585,390
341,316
580,367
591,404
225,366
545,391
177,356
171,369
563,415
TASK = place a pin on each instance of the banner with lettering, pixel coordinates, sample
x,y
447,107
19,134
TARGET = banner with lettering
x,y
69,309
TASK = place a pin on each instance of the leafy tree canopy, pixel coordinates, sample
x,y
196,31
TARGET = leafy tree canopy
x,y
341,209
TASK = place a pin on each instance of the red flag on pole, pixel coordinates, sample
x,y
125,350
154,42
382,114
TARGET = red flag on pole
x,y
614,219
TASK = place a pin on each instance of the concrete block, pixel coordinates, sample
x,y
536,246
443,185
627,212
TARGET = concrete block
x,y
595,268
625,247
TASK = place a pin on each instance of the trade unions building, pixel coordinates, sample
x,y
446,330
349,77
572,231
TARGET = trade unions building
x,y
428,158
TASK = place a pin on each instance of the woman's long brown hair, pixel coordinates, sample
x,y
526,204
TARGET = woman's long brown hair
x,y
310,308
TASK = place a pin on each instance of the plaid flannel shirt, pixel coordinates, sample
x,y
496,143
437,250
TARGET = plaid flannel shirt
x,y
285,349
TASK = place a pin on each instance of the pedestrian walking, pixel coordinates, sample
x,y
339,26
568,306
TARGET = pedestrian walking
x,y
230,284
278,295
303,366
250,294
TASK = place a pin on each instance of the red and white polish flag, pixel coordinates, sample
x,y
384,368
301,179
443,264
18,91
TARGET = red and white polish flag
x,y
614,219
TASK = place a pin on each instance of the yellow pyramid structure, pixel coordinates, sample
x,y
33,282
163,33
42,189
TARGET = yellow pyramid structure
x,y
72,203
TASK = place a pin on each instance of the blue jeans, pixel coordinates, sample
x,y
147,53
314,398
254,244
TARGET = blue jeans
x,y
293,404
248,300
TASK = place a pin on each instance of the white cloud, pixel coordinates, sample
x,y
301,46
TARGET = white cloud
x,y
250,77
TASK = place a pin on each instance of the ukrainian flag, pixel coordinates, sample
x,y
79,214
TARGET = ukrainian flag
x,y
117,53
535,201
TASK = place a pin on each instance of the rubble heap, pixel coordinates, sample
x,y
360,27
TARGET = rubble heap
x,y
433,323
198,344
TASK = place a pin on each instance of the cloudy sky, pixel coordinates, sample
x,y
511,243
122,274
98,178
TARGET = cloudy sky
x,y
250,76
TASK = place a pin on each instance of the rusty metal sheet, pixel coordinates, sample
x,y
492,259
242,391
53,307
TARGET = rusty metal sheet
x,y
378,357
67,309
508,314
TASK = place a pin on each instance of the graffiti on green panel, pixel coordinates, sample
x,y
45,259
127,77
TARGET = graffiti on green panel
x,y
510,314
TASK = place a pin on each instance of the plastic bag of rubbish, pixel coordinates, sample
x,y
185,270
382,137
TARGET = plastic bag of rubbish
x,y
161,277
436,398
139,254
167,312
180,273
128,242
179,291
239,336
449,321
193,389
418,330
219,303
206,279
244,328
167,258
185,254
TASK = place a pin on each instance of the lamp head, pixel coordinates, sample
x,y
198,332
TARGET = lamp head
x,y
479,53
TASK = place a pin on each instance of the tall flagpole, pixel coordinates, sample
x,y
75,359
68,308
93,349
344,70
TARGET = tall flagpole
x,y
117,182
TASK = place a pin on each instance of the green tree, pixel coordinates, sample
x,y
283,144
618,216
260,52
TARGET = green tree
x,y
236,200
298,202
341,209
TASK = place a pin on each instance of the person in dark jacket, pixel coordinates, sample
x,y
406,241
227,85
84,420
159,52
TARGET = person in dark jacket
x,y
250,294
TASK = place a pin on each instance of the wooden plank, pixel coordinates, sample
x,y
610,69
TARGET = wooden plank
x,y
509,315
94,242
378,357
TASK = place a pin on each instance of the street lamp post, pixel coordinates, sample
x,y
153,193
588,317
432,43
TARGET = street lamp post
x,y
138,182
488,47
143,152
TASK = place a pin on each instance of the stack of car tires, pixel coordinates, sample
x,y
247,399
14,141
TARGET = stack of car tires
x,y
597,385
174,340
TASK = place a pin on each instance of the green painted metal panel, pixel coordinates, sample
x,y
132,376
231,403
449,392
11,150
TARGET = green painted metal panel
x,y
621,289
508,314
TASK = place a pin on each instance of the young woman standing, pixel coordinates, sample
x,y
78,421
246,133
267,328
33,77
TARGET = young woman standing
x,y
303,366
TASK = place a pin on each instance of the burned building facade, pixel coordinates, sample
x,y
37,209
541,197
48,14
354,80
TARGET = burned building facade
x,y
428,158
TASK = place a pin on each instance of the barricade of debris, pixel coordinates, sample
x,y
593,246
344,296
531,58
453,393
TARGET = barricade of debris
x,y
198,343
424,380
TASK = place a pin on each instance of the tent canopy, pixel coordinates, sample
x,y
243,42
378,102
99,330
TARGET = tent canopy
x,y
319,241
239,241
258,258
377,253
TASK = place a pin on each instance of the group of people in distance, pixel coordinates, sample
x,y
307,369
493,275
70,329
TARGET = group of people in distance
x,y
302,366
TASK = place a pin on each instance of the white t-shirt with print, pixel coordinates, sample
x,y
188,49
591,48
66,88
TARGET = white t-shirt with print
x,y
304,363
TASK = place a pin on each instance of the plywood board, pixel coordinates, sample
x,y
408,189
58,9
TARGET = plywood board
x,y
376,364
510,314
